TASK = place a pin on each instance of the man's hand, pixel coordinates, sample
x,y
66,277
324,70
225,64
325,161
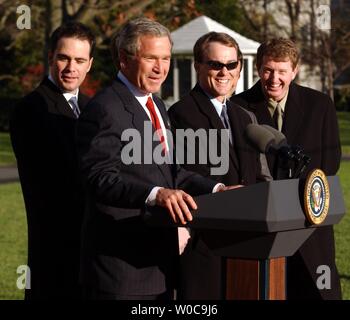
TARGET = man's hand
x,y
225,188
184,236
177,202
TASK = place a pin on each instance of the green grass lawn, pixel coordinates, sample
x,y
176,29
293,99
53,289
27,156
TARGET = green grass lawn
x,y
344,128
13,239
342,233
6,154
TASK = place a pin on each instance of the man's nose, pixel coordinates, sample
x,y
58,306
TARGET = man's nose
x,y
70,65
157,67
273,75
224,70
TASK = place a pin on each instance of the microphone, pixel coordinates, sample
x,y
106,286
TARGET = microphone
x,y
280,138
291,152
261,138
291,160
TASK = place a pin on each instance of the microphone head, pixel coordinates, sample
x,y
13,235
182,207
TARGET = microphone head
x,y
260,137
280,138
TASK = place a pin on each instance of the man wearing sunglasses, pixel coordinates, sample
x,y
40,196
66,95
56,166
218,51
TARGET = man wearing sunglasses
x,y
218,61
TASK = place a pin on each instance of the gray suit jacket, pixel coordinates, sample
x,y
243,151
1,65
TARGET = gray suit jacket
x,y
121,254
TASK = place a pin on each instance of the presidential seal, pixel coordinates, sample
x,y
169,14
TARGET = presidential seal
x,y
316,197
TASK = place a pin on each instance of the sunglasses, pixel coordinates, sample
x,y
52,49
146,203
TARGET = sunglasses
x,y
217,66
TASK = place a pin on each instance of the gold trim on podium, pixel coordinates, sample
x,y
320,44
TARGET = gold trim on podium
x,y
316,197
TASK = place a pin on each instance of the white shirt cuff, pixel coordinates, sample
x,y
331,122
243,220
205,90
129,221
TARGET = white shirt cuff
x,y
151,199
215,189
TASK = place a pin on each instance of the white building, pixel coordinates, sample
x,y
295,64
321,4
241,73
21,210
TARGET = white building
x,y
182,75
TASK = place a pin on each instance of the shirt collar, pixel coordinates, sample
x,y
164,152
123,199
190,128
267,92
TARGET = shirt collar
x,y
215,102
282,103
67,95
139,95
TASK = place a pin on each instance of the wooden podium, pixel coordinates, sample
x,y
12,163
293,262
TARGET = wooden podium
x,y
256,227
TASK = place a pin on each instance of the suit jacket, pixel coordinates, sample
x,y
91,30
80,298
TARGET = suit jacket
x,y
42,130
121,254
201,269
310,122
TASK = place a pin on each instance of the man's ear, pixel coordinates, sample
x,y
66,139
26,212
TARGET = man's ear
x,y
90,64
295,71
196,66
123,59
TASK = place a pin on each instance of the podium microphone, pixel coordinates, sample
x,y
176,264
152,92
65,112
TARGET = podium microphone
x,y
280,138
295,153
261,138
266,139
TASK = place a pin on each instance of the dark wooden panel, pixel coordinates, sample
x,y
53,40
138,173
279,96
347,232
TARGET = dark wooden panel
x,y
242,279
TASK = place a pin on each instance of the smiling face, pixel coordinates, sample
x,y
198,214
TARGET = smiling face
x,y
276,77
148,69
69,63
217,83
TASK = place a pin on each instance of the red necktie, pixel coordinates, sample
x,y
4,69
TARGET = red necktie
x,y
155,121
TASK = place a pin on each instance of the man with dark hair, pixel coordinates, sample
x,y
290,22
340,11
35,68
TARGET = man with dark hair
x,y
308,119
218,61
123,257
42,132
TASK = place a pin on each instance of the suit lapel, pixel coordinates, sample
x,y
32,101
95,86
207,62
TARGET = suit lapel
x,y
259,106
209,111
82,100
294,113
206,107
57,103
139,116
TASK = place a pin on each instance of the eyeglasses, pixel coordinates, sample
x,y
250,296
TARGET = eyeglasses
x,y
217,66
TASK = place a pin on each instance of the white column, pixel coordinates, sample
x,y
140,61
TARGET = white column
x,y
176,82
250,66
193,74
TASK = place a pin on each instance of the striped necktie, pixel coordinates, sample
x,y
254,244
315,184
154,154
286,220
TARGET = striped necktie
x,y
74,104
225,121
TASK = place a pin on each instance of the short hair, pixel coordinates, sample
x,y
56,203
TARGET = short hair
x,y
73,30
220,37
127,38
278,49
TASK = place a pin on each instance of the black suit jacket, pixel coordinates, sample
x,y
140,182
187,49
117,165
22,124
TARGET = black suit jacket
x,y
195,111
121,254
42,132
201,269
310,122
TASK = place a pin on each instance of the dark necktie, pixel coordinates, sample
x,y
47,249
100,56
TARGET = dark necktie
x,y
155,122
74,103
225,121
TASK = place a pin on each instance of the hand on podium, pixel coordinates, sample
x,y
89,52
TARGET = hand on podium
x,y
177,202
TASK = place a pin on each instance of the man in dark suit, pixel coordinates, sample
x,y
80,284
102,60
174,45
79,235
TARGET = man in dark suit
x,y
122,257
308,119
218,62
42,132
